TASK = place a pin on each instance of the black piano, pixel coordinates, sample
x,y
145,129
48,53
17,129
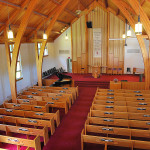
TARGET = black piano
x,y
63,80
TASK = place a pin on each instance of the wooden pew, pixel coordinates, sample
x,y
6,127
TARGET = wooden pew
x,y
22,142
47,104
31,114
27,131
73,89
42,108
120,115
41,93
121,103
44,98
73,96
116,130
52,95
119,122
123,94
28,121
113,141
121,98
121,108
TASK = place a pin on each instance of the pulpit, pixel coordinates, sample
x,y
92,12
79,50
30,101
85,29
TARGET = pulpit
x,y
96,70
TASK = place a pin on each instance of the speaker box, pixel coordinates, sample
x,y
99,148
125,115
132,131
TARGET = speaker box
x,y
89,24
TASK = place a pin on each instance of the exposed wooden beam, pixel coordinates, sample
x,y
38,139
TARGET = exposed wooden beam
x,y
144,18
67,10
39,59
12,17
12,63
83,4
106,3
128,7
118,12
142,2
62,22
19,7
128,16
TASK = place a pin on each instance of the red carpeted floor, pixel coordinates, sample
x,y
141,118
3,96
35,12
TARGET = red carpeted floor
x,y
68,135
103,77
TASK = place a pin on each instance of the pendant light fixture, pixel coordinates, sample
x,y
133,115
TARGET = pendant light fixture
x,y
44,34
138,26
9,32
66,37
129,32
78,11
124,35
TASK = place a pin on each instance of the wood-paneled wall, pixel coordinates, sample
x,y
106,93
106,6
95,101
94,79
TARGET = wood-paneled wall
x,y
99,20
112,56
79,54
116,47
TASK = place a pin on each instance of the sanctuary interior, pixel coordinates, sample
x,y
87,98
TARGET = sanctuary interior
x,y
74,74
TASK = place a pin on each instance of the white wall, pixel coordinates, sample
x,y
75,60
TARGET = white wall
x,y
132,60
50,60
62,44
28,69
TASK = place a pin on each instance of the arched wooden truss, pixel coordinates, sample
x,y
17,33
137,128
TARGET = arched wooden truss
x,y
39,59
12,63
132,22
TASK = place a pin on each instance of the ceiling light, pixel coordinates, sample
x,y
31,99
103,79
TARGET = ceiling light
x,y
129,32
138,26
10,33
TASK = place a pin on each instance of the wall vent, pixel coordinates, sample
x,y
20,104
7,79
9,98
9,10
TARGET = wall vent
x,y
64,52
133,51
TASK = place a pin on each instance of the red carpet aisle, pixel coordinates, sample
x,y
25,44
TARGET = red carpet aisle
x,y
68,134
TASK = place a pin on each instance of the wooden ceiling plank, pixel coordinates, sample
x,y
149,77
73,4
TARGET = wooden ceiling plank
x,y
62,22
12,63
142,2
9,4
130,19
106,3
39,60
83,4
67,10
128,7
12,17
144,18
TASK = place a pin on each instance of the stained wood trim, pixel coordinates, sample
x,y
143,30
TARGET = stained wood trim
x,y
120,5
12,64
49,28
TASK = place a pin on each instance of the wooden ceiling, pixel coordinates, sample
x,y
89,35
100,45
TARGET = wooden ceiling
x,y
45,9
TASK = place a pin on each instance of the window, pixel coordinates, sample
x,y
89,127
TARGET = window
x,y
45,50
19,66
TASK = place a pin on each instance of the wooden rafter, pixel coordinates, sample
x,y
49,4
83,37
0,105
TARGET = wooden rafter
x,y
67,10
106,3
144,18
19,7
142,2
12,63
118,12
128,7
120,5
83,4
39,59
12,17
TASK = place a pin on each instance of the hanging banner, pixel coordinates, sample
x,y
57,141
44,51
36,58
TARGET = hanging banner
x,y
97,47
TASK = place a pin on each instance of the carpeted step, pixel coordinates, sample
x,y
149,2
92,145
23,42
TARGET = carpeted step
x,y
92,84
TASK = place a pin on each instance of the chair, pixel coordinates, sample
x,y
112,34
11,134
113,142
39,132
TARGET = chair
x,y
109,71
128,70
114,70
119,71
